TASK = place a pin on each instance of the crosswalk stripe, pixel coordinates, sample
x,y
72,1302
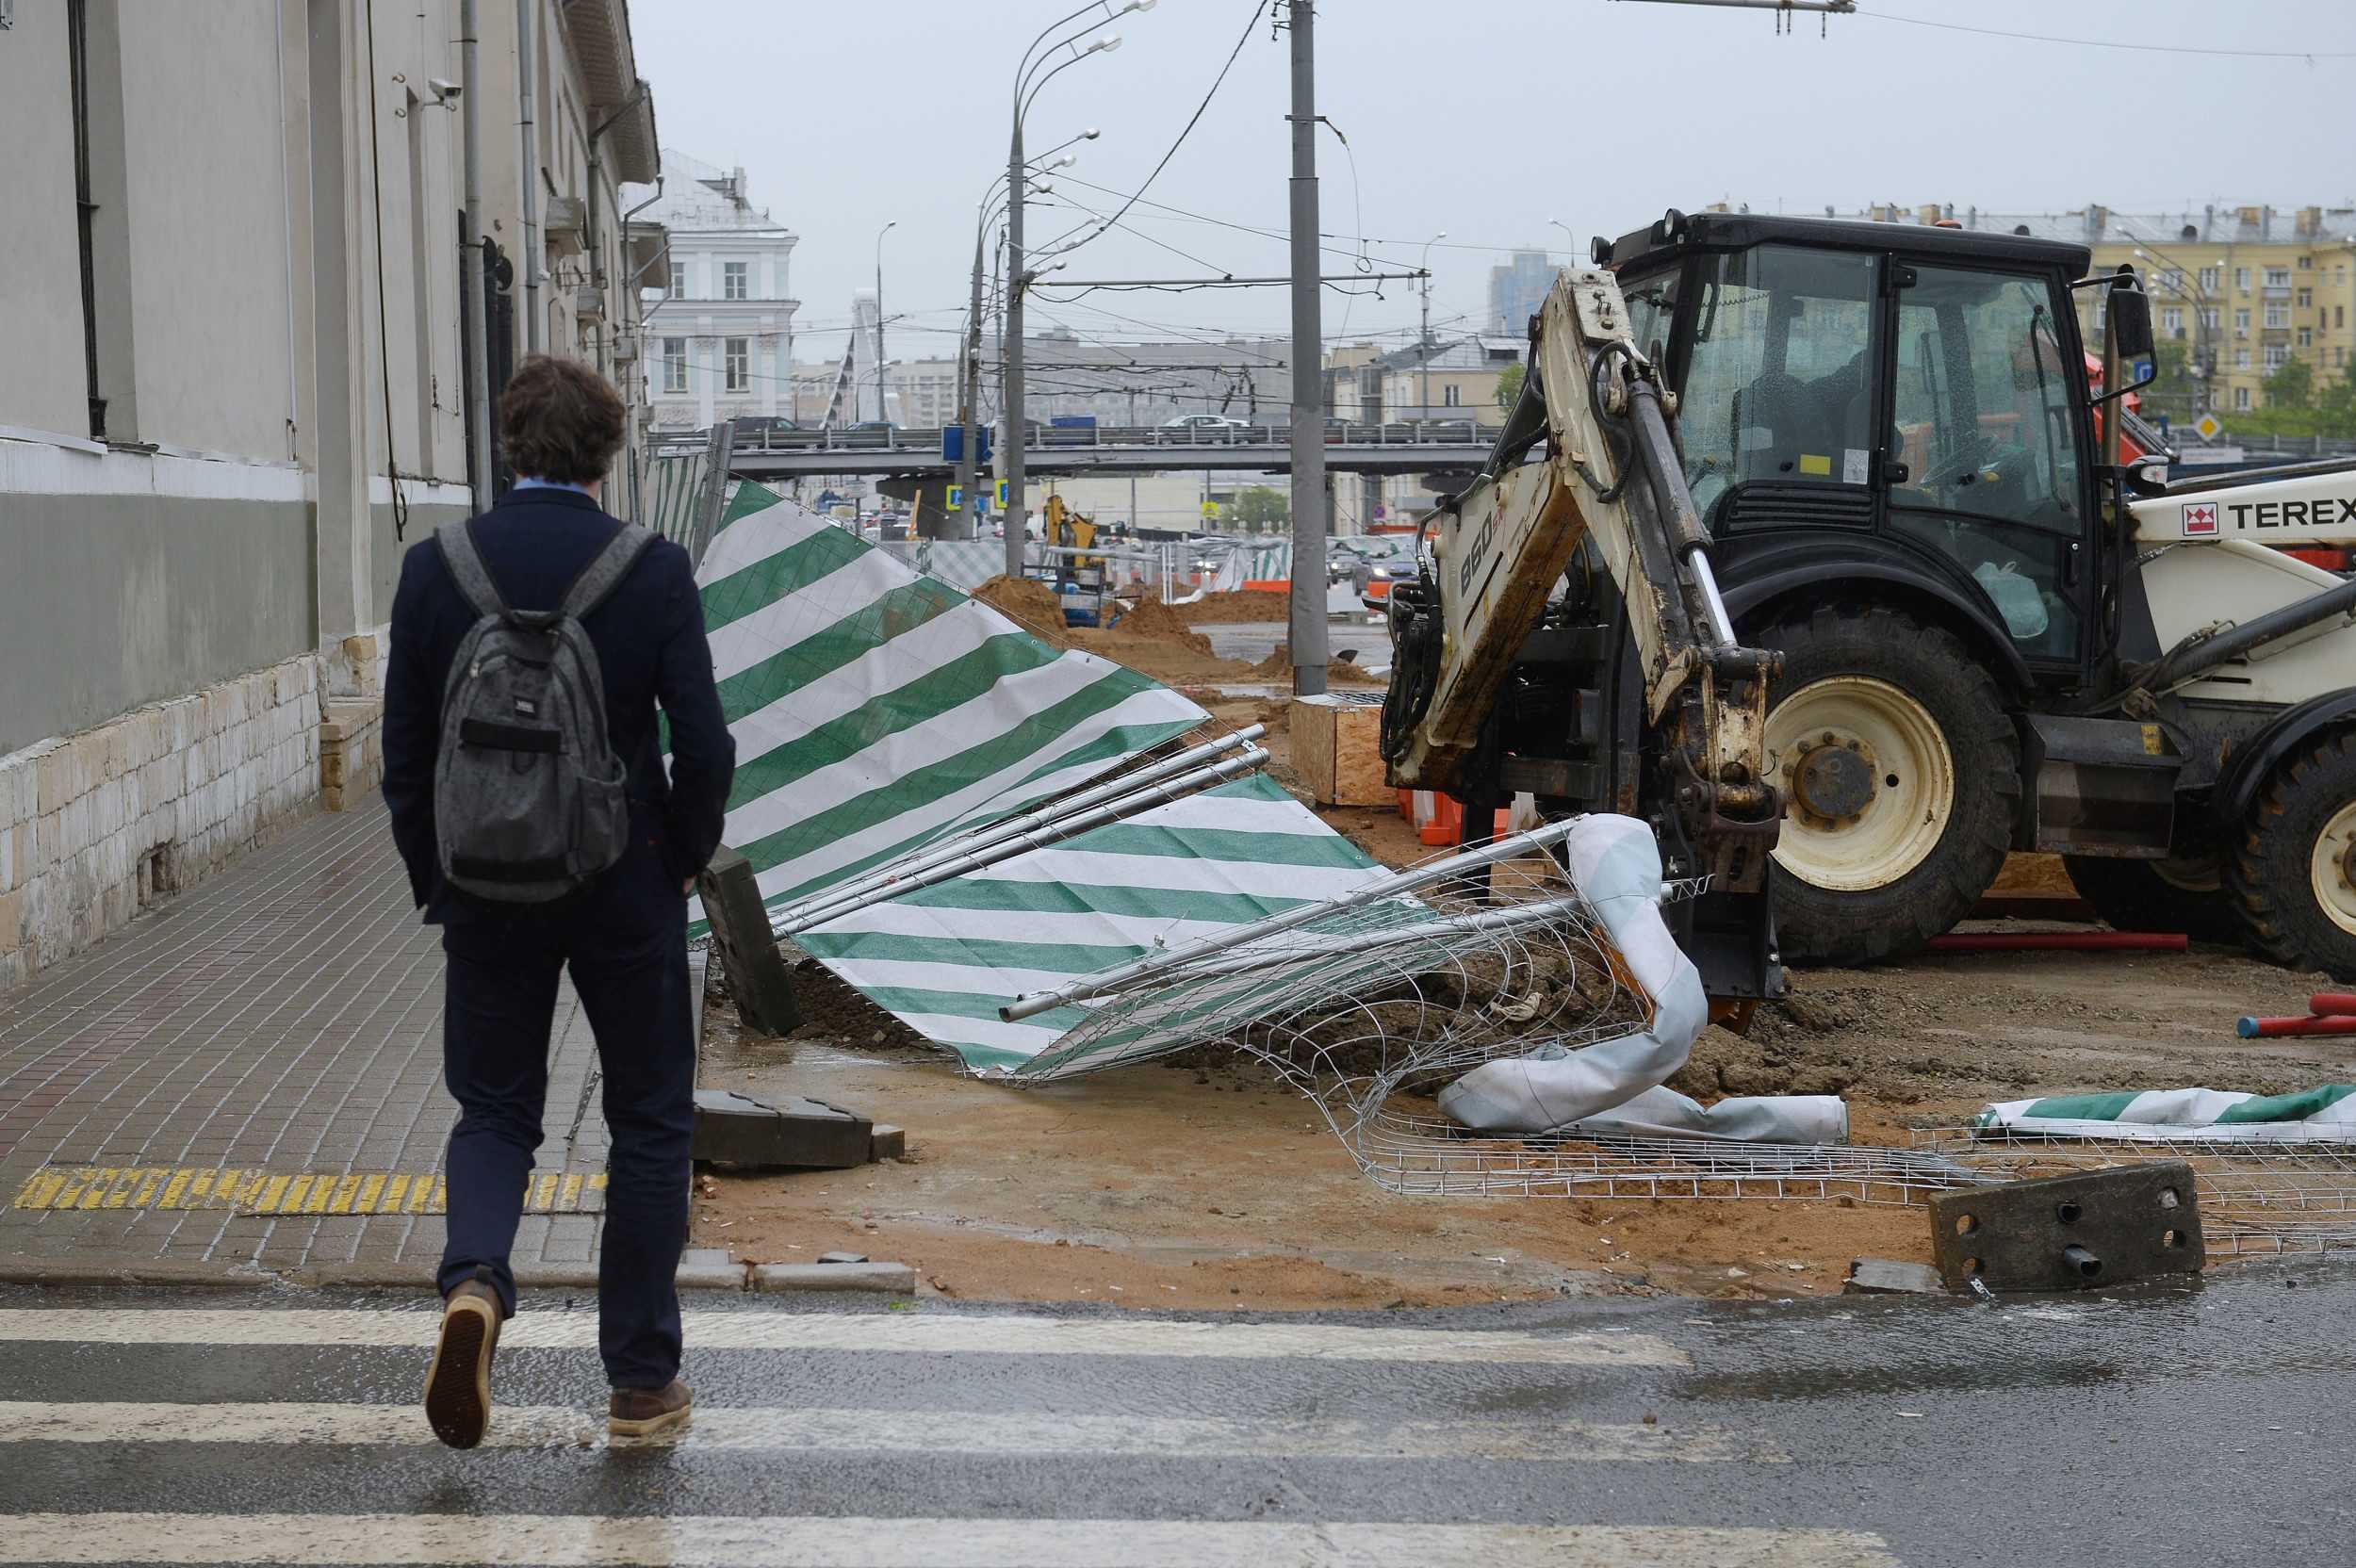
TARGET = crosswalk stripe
x,y
719,1542
920,1332
881,1431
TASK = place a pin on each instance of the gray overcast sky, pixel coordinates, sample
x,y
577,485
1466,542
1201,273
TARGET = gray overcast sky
x,y
1485,118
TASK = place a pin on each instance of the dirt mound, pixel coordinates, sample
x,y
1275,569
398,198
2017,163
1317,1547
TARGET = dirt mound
x,y
1152,618
1029,604
1252,604
1278,665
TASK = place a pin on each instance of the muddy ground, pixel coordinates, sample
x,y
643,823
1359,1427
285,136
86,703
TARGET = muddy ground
x,y
1212,1185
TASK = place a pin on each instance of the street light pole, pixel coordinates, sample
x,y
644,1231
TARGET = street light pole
x,y
883,405
1010,448
2203,367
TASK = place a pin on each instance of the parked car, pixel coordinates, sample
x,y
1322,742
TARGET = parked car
x,y
1203,423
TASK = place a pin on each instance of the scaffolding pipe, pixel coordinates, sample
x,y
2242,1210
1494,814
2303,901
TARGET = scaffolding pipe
x,y
1389,886
989,833
1249,761
1374,939
2280,1028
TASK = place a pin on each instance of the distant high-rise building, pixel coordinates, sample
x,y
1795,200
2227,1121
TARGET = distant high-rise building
x,y
1516,290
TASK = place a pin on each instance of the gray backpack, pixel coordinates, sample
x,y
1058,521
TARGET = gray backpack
x,y
528,802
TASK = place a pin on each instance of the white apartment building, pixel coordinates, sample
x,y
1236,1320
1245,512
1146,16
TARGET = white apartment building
x,y
719,329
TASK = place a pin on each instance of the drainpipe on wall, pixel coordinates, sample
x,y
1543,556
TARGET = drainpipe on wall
x,y
597,177
479,358
535,256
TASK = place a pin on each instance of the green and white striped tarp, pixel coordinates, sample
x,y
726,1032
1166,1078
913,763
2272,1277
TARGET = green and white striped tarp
x,y
877,711
2326,1114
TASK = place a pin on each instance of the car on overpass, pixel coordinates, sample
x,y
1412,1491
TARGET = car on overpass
x,y
1203,422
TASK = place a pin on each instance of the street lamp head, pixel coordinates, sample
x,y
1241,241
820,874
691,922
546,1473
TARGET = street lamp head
x,y
1103,45
1091,134
1066,162
1137,6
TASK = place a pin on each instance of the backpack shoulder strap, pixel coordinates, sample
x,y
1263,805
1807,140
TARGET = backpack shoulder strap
x,y
605,570
464,560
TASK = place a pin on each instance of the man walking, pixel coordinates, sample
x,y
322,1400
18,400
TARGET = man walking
x,y
530,803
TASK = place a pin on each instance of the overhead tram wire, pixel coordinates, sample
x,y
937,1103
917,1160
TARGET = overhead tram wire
x,y
2310,56
1258,9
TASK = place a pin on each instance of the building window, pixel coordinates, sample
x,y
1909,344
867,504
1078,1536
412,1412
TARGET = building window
x,y
2208,279
2278,277
2306,337
2339,315
2275,354
2241,279
2306,298
1448,395
2277,313
2241,359
732,279
2208,318
679,280
2172,320
2241,321
2173,281
675,364
2306,263
737,359
2241,398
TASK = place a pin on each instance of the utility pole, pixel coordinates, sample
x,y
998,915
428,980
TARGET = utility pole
x,y
1308,425
1010,444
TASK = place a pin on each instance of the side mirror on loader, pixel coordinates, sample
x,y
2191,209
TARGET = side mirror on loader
x,y
2128,308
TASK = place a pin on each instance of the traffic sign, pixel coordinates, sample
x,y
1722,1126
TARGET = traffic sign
x,y
2208,427
1210,509
957,498
1001,495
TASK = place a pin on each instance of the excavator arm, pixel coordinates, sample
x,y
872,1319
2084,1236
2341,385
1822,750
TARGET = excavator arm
x,y
1588,462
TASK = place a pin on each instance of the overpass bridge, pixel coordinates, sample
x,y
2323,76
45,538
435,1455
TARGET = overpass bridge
x,y
1059,452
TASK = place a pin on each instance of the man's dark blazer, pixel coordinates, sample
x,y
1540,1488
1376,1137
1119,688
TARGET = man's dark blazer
x,y
649,637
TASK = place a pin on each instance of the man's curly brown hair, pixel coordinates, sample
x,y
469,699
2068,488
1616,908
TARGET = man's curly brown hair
x,y
561,421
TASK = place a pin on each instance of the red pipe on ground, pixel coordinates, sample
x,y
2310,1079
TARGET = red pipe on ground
x,y
2274,1028
2058,942
2331,1003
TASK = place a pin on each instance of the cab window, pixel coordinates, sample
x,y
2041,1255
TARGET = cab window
x,y
1984,464
1778,383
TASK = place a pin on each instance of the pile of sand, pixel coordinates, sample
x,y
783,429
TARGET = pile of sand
x,y
1029,604
1152,618
1278,665
1256,604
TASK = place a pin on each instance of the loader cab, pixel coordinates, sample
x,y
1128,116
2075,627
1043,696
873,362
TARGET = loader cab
x,y
1912,400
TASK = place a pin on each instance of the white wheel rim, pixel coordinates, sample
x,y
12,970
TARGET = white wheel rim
x,y
2327,867
1903,822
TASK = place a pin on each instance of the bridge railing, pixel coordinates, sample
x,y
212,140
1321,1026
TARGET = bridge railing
x,y
926,443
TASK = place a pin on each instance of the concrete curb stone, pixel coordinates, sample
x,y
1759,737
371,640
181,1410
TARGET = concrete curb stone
x,y
890,1279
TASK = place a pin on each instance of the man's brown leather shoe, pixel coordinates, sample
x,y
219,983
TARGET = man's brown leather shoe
x,y
642,1411
458,1389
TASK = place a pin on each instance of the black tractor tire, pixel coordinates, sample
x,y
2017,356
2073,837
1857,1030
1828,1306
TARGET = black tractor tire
x,y
2151,895
2272,871
1933,667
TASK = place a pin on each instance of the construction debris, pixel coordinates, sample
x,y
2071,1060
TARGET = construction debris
x,y
735,1129
2070,1233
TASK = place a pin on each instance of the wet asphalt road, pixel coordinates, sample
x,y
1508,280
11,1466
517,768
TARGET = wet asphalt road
x,y
2207,1425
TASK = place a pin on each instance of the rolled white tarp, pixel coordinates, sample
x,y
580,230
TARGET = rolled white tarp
x,y
1614,1085
2326,1114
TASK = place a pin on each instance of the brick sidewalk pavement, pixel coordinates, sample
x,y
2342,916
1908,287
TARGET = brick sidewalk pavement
x,y
281,1020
